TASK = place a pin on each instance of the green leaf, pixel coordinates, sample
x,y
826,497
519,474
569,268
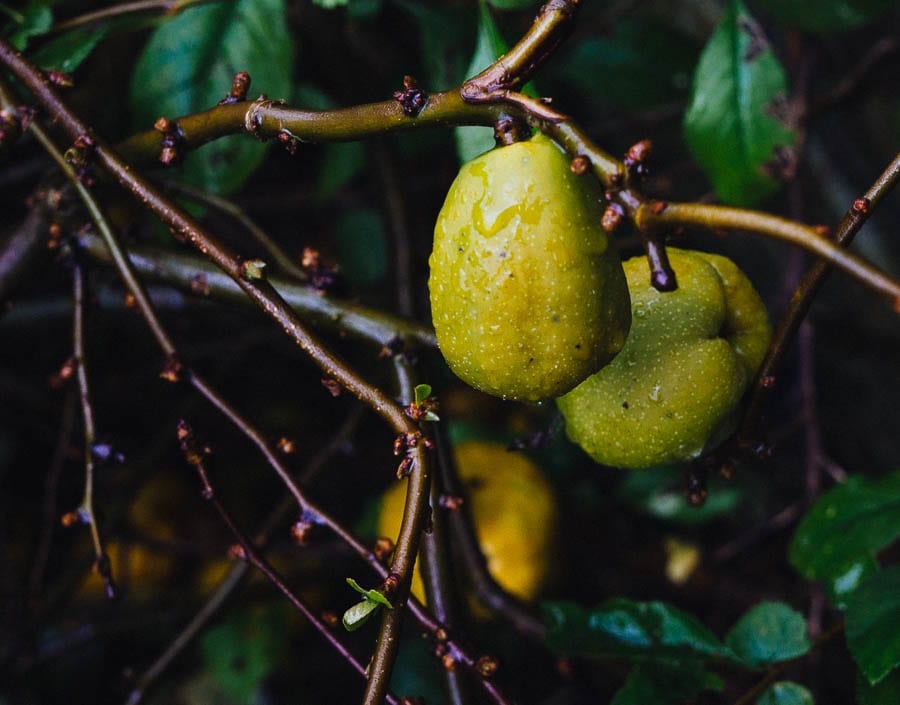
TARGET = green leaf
x,y
188,65
357,615
887,692
445,29
768,633
659,492
643,63
513,4
474,140
665,685
839,537
785,693
37,19
651,631
361,246
422,392
873,624
735,125
373,595
68,51
241,652
330,4
826,15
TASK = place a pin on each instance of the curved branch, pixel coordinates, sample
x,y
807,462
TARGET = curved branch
x,y
651,217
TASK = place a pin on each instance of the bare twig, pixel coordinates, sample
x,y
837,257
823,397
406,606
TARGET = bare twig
x,y
85,510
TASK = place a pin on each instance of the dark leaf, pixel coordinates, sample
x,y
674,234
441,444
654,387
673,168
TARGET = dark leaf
x,y
662,684
188,66
786,693
838,538
887,692
68,51
768,633
873,624
826,15
651,631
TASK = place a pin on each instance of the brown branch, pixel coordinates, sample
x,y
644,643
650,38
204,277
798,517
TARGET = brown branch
x,y
166,7
189,272
801,301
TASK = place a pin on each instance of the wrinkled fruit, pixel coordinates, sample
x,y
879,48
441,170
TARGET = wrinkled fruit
x,y
514,512
528,296
674,391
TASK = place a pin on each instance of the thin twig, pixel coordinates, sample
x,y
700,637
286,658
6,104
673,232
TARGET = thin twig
x,y
281,258
233,578
86,511
251,555
801,301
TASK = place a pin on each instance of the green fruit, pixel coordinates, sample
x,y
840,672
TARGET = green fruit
x,y
674,390
528,296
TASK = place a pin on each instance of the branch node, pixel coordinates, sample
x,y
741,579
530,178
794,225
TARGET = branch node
x,y
172,149
412,98
239,87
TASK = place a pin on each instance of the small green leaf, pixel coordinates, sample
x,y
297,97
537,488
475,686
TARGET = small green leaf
x,y
785,693
422,392
372,595
68,51
359,614
330,4
768,633
887,692
662,684
651,631
188,65
839,537
736,125
873,624
826,15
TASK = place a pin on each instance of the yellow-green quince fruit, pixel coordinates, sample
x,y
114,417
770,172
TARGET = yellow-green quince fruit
x,y
514,512
674,391
528,296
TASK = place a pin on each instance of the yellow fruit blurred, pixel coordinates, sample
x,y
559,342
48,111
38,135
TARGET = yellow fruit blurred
x,y
514,512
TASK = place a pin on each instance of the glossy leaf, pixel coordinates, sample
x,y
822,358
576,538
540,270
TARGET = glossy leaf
x,y
768,633
474,140
838,538
662,684
786,693
651,631
372,595
873,624
736,125
886,692
188,65
826,15
68,51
